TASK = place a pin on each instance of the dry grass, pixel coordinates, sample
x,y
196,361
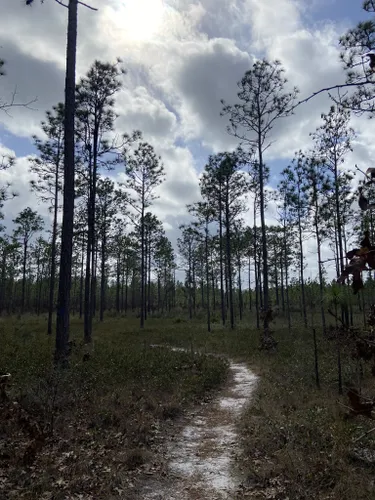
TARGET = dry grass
x,y
298,440
106,414
110,414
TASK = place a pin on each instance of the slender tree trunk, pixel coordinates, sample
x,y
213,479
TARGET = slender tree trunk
x,y
149,280
223,315
229,259
213,282
282,283
122,305
301,263
344,308
127,289
53,254
260,283
37,284
81,277
103,276
142,318
249,273
94,282
86,320
194,287
286,267
3,281
276,278
189,288
118,283
92,236
147,236
65,276
240,299
267,340
320,271
207,281
24,261
256,275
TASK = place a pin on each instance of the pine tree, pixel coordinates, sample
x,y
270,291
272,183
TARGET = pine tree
x,y
48,167
223,186
263,101
144,171
27,223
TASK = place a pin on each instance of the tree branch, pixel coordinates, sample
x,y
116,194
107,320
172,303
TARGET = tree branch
x,y
334,87
60,3
79,2
86,5
4,106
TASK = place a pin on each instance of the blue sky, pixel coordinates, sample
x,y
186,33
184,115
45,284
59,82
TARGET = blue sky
x,y
22,146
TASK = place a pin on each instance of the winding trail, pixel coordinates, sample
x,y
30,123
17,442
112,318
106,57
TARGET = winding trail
x,y
200,459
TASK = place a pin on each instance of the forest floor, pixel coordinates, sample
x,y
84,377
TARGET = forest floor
x,y
132,421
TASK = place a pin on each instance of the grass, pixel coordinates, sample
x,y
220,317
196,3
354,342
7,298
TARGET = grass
x,y
106,413
109,413
298,440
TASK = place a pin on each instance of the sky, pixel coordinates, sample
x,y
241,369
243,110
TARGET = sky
x,y
182,57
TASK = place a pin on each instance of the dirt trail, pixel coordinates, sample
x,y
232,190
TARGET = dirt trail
x,y
200,459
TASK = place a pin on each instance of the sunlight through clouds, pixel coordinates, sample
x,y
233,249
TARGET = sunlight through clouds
x,y
141,20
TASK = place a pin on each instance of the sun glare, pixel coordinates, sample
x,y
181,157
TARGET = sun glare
x,y
141,19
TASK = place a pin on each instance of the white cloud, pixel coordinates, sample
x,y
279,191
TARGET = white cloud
x,y
181,60
19,179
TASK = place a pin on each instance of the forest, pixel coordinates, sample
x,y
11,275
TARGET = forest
x,y
112,335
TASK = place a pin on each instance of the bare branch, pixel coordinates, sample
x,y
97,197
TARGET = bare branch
x,y
79,2
88,6
334,87
4,106
60,3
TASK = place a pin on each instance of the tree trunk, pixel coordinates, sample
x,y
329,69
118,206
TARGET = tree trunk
x,y
240,300
223,315
301,271
65,276
118,284
149,280
249,272
23,293
103,276
267,340
207,281
282,283
318,247
142,319
89,251
53,254
229,259
81,278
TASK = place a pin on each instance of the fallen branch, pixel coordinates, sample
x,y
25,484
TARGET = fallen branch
x,y
364,434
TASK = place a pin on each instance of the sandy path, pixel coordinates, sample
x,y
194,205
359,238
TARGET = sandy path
x,y
200,459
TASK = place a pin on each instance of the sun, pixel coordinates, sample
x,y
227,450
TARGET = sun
x,y
141,19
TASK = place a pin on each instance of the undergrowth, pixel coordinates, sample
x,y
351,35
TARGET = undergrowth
x,y
101,416
300,442
108,414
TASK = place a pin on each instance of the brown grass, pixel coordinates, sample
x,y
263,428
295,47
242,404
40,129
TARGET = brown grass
x,y
298,440
103,418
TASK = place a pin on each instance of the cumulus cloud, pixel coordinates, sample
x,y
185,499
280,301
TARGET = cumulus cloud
x,y
182,58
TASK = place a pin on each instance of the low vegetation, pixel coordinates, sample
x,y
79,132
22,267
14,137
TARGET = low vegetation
x,y
84,430
105,418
